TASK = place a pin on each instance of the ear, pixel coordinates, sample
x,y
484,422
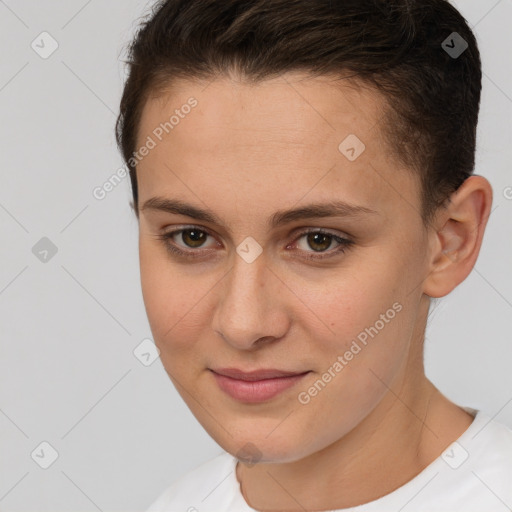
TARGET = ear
x,y
456,236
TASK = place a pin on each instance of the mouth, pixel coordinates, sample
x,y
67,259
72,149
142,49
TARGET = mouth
x,y
257,385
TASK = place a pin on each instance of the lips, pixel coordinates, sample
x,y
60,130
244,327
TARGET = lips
x,y
257,385
254,375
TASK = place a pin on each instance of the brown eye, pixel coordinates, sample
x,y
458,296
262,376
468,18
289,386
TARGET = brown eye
x,y
183,242
319,241
317,244
193,237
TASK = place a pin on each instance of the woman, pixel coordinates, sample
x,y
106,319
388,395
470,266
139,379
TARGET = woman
x,y
302,174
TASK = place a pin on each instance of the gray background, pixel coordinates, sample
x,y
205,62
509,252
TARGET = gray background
x,y
68,375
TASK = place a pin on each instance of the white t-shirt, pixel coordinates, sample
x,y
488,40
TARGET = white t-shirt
x,y
474,474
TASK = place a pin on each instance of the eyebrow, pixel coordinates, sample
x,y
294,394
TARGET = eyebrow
x,y
310,211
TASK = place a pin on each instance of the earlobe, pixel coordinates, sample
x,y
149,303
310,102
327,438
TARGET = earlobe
x,y
458,241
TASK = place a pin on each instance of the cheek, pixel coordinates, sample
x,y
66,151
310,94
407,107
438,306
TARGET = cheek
x,y
355,366
352,301
368,335
172,298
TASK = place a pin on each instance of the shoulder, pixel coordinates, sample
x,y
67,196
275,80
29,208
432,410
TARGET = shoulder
x,y
473,474
209,486
490,440
477,469
489,444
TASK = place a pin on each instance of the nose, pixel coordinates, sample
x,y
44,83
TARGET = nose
x,y
251,311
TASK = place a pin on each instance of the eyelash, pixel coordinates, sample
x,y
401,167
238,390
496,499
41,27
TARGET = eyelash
x,y
345,243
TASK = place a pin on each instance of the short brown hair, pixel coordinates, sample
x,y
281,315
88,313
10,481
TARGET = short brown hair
x,y
393,45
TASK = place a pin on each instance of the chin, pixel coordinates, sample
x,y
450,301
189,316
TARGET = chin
x,y
258,449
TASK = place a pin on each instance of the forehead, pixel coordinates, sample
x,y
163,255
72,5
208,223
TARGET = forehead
x,y
272,142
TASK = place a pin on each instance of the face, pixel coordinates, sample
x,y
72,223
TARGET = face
x,y
332,292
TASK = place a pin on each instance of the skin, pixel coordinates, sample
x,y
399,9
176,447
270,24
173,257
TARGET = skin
x,y
245,152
